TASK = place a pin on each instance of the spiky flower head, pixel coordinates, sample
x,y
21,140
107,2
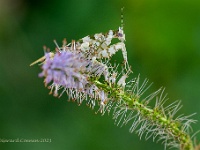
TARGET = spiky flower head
x,y
65,70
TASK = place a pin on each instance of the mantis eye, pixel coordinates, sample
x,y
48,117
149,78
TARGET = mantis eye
x,y
120,34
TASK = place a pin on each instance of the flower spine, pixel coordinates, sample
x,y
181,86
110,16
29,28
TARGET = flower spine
x,y
83,70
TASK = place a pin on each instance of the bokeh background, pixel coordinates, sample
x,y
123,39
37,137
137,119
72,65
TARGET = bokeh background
x,y
163,44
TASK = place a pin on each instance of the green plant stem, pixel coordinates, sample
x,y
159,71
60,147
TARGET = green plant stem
x,y
153,115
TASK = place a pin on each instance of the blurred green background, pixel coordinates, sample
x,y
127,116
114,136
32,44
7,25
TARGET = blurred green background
x,y
163,44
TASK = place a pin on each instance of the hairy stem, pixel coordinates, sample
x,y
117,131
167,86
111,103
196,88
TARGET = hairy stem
x,y
170,127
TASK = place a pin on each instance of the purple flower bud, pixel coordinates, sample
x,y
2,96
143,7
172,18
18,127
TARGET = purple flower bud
x,y
65,69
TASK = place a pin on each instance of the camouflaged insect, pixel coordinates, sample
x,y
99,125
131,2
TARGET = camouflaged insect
x,y
96,47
